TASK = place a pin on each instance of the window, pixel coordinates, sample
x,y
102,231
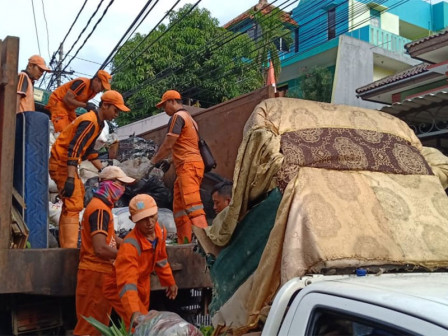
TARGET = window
x,y
331,23
281,45
332,323
254,32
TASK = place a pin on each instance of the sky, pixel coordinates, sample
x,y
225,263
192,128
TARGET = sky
x,y
18,20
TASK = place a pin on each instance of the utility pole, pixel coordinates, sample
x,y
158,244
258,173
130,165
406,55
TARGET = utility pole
x,y
59,70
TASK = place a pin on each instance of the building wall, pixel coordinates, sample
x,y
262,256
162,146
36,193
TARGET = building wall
x,y
440,12
355,68
391,23
359,15
416,12
312,17
380,72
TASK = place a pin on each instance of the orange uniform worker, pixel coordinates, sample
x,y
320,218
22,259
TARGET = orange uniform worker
x,y
74,144
142,251
98,250
25,86
65,99
182,141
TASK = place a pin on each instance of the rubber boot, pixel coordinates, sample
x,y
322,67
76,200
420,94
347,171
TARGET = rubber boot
x,y
68,232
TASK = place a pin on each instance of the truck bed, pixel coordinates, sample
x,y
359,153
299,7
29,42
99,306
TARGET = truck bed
x,y
53,271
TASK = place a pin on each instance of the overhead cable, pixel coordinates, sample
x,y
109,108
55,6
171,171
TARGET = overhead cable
x,y
88,36
120,43
62,43
35,27
119,66
79,36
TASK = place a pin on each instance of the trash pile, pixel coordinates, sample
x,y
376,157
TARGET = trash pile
x,y
164,323
133,156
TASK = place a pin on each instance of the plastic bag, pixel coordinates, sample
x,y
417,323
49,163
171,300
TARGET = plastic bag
x,y
136,168
161,323
54,212
102,138
152,186
123,224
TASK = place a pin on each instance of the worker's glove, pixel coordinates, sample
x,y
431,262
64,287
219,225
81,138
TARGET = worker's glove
x,y
151,166
164,165
69,187
91,107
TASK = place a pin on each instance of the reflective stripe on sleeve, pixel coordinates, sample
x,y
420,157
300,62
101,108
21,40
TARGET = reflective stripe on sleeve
x,y
162,263
194,208
128,287
180,214
133,242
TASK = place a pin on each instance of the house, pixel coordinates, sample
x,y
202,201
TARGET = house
x,y
419,95
356,41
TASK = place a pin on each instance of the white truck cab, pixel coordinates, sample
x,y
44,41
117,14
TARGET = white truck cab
x,y
386,304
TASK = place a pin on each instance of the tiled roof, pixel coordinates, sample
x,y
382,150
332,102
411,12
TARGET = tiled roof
x,y
417,103
424,39
286,17
418,69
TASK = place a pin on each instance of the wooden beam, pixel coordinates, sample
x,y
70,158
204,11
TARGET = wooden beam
x,y
9,51
53,271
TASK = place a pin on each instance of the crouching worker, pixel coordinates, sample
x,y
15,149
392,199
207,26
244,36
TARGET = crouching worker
x,y
142,251
98,250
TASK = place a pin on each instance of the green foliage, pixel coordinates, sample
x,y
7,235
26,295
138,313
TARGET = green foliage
x,y
206,330
189,58
317,84
271,29
113,330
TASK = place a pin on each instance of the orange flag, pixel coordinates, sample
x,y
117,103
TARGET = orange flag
x,y
270,79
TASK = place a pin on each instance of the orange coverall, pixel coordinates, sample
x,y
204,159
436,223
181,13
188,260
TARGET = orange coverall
x,y
74,144
128,287
25,88
187,203
90,301
62,114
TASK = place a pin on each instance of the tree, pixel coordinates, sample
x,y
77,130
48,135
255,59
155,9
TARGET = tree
x,y
317,84
191,54
269,32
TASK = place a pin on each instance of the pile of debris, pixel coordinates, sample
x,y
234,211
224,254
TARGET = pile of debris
x,y
132,155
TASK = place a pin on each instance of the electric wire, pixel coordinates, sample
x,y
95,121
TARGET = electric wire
x,y
120,43
88,36
62,43
77,39
336,23
294,55
35,27
176,68
46,26
119,66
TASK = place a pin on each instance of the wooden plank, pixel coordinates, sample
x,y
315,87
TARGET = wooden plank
x,y
18,198
8,100
53,271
